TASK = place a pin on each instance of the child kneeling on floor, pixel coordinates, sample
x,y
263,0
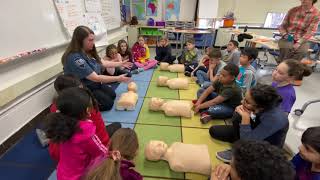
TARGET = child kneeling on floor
x,y
141,55
220,99
75,133
118,163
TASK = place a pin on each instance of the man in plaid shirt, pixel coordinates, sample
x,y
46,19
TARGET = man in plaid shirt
x,y
301,22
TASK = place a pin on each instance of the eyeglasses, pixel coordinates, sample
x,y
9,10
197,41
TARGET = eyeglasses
x,y
248,103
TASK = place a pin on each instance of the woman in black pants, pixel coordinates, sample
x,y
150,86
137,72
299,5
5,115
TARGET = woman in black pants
x,y
81,59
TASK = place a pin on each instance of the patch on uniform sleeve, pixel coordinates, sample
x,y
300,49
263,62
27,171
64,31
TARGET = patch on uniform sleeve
x,y
80,63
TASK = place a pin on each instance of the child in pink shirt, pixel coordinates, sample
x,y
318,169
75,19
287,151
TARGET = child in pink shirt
x,y
141,55
76,134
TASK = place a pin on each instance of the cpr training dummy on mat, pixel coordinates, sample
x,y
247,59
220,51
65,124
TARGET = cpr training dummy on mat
x,y
179,68
172,107
181,157
128,100
174,83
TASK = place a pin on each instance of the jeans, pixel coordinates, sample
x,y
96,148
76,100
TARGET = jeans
x,y
202,77
219,111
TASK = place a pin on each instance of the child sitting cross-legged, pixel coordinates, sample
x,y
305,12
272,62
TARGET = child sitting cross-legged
x,y
190,57
220,99
204,78
247,73
141,55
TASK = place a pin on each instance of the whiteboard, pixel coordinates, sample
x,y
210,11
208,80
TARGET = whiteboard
x,y
77,12
29,25
208,9
111,13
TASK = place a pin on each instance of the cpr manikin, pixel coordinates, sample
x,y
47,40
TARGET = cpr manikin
x,y
181,157
179,68
172,107
128,100
174,83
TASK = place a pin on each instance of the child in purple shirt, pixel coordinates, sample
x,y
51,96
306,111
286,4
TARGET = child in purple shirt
x,y
307,161
285,73
118,163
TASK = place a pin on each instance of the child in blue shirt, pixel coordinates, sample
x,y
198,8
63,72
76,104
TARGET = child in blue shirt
x,y
247,73
307,161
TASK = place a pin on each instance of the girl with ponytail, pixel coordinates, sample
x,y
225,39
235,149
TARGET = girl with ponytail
x,y
118,164
284,76
74,132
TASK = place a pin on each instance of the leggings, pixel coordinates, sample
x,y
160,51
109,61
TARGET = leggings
x,y
150,64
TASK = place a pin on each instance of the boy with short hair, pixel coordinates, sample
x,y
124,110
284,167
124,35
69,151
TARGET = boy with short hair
x,y
190,57
232,53
220,99
247,73
214,69
163,51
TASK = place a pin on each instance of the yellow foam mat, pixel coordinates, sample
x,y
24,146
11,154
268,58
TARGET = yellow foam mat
x,y
195,122
190,93
191,80
201,136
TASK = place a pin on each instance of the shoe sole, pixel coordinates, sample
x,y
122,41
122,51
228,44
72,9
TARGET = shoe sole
x,y
205,120
222,159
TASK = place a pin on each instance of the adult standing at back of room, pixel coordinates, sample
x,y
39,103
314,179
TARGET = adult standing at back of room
x,y
299,25
81,59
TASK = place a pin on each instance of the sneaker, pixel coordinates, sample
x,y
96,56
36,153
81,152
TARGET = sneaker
x,y
140,69
205,118
194,101
187,74
136,71
224,156
44,141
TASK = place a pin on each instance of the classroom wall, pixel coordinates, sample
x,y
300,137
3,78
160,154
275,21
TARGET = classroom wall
x,y
187,9
255,11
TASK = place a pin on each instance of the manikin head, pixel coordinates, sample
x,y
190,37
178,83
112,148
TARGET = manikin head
x,y
155,104
162,80
155,150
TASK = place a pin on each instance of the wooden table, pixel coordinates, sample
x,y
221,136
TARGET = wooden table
x,y
267,42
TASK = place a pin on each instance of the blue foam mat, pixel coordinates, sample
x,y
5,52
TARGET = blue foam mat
x,y
122,116
143,76
29,151
19,172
